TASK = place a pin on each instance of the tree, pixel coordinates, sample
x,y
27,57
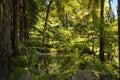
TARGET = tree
x,y
14,29
102,43
44,33
119,31
22,19
45,24
28,16
5,39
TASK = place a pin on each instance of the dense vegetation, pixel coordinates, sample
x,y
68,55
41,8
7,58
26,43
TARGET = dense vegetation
x,y
46,37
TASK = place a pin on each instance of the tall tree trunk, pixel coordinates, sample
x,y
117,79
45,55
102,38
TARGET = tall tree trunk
x,y
44,35
27,22
14,31
102,43
119,31
5,40
22,20
0,14
46,19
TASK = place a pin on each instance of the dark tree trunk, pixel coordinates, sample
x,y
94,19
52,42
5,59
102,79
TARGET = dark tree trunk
x,y
27,21
119,31
27,27
5,39
102,43
0,15
66,20
22,20
14,31
63,21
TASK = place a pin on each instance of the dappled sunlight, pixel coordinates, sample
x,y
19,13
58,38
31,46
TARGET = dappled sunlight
x,y
59,40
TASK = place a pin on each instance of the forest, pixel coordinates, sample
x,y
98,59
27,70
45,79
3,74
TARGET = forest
x,y
59,40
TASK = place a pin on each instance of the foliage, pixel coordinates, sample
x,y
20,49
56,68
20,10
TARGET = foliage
x,y
71,36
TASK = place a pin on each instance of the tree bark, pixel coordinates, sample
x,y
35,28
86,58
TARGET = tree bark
x,y
22,20
14,31
102,43
0,14
119,32
27,27
5,40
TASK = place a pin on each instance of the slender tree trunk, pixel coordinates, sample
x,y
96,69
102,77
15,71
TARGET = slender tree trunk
x,y
27,27
119,32
102,43
46,19
44,36
27,22
66,20
0,14
5,40
14,31
63,20
22,20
